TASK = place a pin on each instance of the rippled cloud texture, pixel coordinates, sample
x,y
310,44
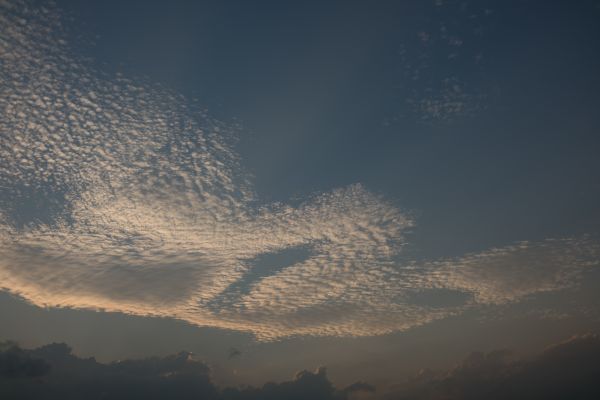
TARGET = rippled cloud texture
x,y
119,195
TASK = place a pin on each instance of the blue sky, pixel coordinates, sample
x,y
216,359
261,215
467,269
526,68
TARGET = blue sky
x,y
333,94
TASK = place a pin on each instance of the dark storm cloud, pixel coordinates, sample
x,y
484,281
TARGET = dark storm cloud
x,y
567,370
53,372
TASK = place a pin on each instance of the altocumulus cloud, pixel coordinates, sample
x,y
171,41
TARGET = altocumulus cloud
x,y
119,195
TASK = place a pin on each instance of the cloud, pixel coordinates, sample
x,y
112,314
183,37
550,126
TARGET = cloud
x,y
448,100
119,195
178,376
441,63
305,385
566,370
508,274
16,363
358,387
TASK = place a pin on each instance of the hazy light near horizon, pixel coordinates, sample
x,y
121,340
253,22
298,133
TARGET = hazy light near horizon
x,y
119,195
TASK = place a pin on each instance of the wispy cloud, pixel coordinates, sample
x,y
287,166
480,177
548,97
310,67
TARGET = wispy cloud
x,y
440,61
119,195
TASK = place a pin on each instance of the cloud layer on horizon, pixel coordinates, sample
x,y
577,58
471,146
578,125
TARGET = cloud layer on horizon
x,y
53,372
564,370
119,195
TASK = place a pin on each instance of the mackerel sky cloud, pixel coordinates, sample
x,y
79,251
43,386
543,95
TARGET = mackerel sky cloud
x,y
117,194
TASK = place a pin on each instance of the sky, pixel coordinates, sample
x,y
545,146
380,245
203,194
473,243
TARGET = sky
x,y
275,187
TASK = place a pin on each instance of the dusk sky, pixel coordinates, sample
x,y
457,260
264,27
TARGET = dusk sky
x,y
378,188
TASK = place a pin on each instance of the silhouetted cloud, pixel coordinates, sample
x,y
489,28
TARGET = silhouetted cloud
x,y
305,385
567,370
71,377
358,387
53,372
16,363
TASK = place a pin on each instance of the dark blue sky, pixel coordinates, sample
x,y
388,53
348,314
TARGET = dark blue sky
x,y
323,91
